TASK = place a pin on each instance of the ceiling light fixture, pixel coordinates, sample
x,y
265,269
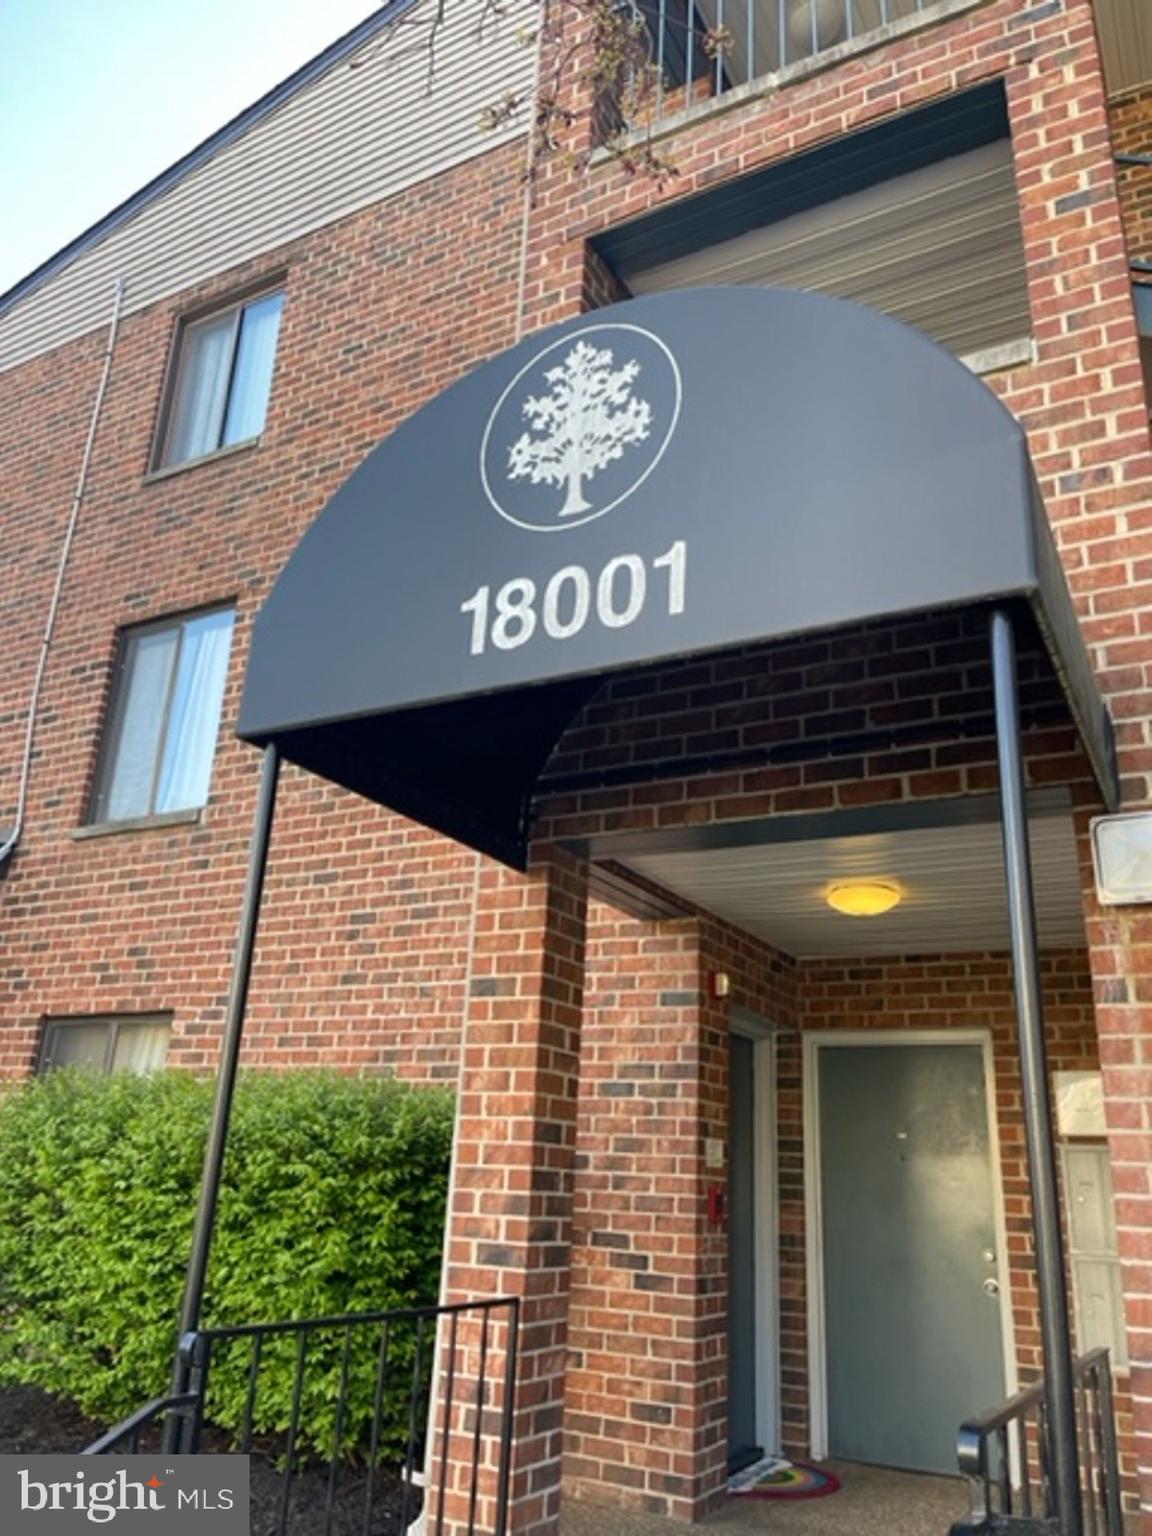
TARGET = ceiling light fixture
x,y
863,898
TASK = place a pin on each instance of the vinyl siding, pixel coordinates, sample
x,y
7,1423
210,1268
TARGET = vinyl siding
x,y
368,128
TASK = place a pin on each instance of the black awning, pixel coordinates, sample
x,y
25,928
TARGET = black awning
x,y
674,475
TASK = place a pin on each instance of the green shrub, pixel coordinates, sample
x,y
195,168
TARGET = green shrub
x,y
333,1202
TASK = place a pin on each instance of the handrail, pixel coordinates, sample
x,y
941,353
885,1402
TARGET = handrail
x,y
129,1428
435,1402
353,1319
1001,1496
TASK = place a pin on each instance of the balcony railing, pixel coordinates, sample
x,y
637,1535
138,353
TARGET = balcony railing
x,y
702,49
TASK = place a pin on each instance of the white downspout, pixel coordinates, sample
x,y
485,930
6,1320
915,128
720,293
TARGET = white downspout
x,y
8,848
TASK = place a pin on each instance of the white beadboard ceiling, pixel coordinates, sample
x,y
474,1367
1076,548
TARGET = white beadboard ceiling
x,y
939,248
1125,28
952,878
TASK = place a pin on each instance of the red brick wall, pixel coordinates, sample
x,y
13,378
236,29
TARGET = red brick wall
x,y
646,1406
363,943
874,715
363,958
1082,402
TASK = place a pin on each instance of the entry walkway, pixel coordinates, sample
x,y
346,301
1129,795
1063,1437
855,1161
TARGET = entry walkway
x,y
872,1501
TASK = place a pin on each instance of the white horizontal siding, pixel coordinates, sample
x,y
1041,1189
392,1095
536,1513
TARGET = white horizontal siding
x,y
940,248
361,133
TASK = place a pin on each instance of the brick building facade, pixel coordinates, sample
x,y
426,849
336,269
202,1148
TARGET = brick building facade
x,y
592,1033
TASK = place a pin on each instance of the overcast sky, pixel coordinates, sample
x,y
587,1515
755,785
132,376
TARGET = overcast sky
x,y
99,96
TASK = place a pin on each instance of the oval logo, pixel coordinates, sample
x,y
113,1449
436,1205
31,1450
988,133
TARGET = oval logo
x,y
580,427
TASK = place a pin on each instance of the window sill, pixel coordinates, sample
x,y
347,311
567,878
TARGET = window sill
x,y
137,824
166,471
1011,354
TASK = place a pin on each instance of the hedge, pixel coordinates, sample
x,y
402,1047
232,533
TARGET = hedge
x,y
333,1201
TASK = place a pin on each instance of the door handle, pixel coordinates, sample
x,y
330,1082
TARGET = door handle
x,y
991,1287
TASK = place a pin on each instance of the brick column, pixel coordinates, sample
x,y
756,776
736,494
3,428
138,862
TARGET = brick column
x,y
646,1415
1120,955
508,1231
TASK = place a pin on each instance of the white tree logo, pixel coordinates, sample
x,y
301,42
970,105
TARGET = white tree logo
x,y
590,417
590,414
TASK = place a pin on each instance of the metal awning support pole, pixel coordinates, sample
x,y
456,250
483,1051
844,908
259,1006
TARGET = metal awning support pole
x,y
226,1077
1059,1385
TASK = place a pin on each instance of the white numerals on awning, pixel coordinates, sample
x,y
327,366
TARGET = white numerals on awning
x,y
617,596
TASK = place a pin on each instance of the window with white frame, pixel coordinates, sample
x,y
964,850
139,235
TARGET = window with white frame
x,y
222,380
111,1043
160,738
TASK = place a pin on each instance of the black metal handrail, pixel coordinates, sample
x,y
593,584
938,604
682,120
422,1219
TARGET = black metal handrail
x,y
1004,1455
127,1434
421,1426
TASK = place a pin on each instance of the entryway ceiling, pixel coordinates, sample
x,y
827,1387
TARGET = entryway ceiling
x,y
952,879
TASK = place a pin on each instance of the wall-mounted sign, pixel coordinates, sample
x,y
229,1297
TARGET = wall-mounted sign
x,y
1079,1103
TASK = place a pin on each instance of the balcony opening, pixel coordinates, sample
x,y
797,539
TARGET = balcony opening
x,y
918,218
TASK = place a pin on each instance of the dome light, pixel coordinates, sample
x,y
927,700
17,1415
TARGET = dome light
x,y
863,898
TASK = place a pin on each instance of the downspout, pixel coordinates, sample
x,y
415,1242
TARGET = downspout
x,y
8,848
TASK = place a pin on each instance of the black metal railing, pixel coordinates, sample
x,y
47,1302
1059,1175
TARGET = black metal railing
x,y
1004,1456
353,1420
701,48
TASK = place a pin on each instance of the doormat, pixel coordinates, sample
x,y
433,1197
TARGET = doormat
x,y
774,1478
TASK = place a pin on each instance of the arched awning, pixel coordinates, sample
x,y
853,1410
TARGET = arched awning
x,y
665,477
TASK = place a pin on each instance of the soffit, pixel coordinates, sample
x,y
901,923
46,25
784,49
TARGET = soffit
x,y
939,248
952,878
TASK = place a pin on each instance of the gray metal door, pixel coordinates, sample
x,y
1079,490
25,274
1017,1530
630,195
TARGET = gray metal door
x,y
911,1268
742,1352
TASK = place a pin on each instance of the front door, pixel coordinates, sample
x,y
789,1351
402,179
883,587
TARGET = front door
x,y
913,1341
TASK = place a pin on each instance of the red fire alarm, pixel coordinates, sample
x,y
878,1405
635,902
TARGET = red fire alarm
x,y
717,1204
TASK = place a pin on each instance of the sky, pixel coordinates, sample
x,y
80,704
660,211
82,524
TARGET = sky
x,y
99,96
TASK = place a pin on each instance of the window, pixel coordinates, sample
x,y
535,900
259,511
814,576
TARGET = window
x,y
223,378
161,733
105,1044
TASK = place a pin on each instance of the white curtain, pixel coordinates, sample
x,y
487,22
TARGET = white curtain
x,y
202,389
140,1048
195,713
252,375
128,782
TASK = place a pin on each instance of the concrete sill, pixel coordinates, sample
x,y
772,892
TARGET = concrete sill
x,y
137,824
166,471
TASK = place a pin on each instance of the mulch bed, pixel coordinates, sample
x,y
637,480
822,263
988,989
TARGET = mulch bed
x,y
33,1423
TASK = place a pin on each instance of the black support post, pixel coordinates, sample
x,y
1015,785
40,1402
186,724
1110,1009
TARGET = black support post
x,y
226,1077
1059,1383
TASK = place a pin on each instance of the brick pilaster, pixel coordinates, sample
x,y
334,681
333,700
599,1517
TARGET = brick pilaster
x,y
512,1187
